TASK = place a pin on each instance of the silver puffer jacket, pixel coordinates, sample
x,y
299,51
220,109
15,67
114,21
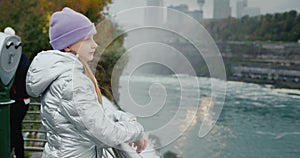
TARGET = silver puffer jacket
x,y
77,125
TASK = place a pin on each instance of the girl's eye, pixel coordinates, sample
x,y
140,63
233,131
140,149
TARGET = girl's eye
x,y
89,39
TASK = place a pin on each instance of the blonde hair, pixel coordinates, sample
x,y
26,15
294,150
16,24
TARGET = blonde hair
x,y
90,74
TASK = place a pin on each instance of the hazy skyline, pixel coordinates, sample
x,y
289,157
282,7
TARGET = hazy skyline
x,y
266,6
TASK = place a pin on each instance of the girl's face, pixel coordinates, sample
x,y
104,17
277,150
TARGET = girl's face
x,y
85,48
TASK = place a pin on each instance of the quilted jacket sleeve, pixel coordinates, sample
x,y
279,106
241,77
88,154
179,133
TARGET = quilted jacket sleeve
x,y
99,124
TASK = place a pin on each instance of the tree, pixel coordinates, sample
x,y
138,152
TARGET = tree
x,y
269,27
31,18
27,18
110,40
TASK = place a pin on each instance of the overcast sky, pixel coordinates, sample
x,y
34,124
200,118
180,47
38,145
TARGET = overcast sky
x,y
266,6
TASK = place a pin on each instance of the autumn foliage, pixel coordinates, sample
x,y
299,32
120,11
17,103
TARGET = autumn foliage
x,y
30,19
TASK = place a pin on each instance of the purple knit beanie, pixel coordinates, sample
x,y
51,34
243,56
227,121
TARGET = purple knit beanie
x,y
68,27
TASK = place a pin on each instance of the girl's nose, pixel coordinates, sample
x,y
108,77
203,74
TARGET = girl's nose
x,y
94,45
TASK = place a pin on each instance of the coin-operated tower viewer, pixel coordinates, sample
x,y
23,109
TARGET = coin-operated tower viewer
x,y
10,54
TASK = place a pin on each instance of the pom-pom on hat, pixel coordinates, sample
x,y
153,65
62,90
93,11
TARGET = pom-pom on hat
x,y
68,27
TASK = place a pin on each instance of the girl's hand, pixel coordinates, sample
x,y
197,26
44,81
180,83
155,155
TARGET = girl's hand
x,y
140,144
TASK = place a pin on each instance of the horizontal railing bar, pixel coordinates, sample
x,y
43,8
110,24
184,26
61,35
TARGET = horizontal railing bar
x,y
35,140
32,121
33,112
34,130
35,104
31,148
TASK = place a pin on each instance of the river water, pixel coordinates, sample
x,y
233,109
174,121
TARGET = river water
x,y
256,121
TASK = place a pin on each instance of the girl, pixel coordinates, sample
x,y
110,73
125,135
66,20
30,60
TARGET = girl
x,y
77,123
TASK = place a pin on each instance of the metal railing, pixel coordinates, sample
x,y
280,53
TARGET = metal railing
x,y
35,135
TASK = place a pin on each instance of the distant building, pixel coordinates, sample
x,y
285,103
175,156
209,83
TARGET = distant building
x,y
200,3
154,16
251,11
177,19
221,9
154,2
242,9
240,5
182,7
196,14
173,19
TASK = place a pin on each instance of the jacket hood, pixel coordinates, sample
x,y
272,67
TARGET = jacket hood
x,y
46,67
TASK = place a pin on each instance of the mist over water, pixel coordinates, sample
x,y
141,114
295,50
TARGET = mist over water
x,y
157,86
256,121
